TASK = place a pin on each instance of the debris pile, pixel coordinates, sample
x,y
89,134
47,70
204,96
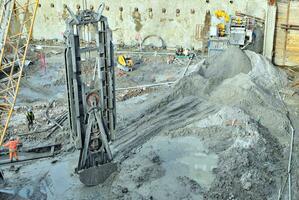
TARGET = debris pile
x,y
232,103
218,133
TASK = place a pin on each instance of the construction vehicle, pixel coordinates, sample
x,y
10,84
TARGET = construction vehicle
x,y
125,63
90,79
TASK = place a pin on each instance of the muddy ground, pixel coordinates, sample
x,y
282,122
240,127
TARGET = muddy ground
x,y
221,132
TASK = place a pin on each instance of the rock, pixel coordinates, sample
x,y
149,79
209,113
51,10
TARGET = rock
x,y
125,190
156,159
246,185
54,161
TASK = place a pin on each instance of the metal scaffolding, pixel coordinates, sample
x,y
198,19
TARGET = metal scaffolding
x,y
17,20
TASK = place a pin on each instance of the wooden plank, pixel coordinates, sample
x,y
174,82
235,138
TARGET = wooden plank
x,y
293,58
279,44
287,42
292,48
286,34
280,52
292,54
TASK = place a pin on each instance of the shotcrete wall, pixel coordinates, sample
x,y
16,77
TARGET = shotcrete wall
x,y
177,22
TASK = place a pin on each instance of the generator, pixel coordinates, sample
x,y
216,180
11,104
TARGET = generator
x,y
241,30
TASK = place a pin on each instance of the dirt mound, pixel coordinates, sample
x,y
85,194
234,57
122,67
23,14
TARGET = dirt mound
x,y
231,103
230,63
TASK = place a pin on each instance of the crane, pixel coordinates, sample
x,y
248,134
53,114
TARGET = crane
x,y
17,20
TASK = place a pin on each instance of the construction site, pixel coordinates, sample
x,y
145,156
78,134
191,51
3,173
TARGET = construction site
x,y
149,100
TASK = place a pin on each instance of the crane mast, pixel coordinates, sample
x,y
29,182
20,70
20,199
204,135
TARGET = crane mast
x,y
17,20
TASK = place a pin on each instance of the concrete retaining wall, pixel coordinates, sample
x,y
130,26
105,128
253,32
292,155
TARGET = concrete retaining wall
x,y
129,25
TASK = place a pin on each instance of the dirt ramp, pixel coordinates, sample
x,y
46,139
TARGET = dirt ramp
x,y
228,64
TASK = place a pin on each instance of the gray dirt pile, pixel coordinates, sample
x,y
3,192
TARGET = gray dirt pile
x,y
231,102
228,64
250,162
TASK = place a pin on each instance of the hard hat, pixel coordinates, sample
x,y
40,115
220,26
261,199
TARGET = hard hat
x,y
11,138
29,110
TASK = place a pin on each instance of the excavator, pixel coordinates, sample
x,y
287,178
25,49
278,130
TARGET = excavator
x,y
90,79
125,63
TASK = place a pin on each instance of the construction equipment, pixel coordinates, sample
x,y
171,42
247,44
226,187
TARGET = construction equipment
x,y
14,43
91,93
183,53
241,30
229,30
125,63
219,23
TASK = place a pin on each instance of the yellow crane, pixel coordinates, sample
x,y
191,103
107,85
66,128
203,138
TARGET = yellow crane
x,y
17,20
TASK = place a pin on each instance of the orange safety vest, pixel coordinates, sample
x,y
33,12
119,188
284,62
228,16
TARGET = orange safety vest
x,y
12,145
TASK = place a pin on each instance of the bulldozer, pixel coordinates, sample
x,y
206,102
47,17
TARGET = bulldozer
x,y
90,81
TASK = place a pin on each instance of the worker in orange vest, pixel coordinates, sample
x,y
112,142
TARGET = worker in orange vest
x,y
12,145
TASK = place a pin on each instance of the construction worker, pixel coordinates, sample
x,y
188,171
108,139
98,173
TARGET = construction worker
x,y
12,145
30,118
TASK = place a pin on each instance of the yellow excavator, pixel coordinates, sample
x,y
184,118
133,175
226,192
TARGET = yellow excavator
x,y
125,63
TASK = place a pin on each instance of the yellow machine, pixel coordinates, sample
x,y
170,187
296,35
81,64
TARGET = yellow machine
x,y
221,29
222,15
237,20
125,63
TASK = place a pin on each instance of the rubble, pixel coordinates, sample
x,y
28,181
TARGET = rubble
x,y
247,96
180,111
220,132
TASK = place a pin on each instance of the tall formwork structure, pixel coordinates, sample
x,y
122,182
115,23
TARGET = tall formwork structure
x,y
16,25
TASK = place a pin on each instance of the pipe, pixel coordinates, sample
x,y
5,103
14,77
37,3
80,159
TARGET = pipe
x,y
49,118
289,177
187,67
290,157
147,86
55,127
145,53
